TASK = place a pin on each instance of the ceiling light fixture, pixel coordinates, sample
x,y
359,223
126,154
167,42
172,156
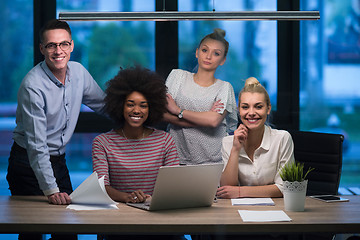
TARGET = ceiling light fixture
x,y
195,15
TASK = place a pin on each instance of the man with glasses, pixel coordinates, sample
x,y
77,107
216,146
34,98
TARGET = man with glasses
x,y
49,101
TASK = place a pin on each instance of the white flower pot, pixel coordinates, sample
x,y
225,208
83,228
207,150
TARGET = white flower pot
x,y
294,195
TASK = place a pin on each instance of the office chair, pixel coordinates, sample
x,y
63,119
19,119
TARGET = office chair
x,y
322,151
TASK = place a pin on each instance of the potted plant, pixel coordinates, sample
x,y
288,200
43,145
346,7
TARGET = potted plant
x,y
294,185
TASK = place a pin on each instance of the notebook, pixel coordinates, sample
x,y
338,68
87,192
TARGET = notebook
x,y
184,186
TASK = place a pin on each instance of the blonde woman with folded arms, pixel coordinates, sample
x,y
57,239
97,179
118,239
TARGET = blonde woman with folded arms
x,y
201,108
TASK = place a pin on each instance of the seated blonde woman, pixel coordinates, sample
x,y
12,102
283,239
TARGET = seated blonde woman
x,y
256,152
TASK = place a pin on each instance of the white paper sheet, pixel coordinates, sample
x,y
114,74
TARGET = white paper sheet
x,y
85,207
264,216
91,195
252,201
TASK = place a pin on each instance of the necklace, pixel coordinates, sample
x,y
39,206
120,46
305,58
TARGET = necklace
x,y
130,143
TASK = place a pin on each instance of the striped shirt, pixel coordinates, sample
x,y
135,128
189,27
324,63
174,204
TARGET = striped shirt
x,y
132,164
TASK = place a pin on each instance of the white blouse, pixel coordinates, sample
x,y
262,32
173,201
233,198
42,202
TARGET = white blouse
x,y
276,149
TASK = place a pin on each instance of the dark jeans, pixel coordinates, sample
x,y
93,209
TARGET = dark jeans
x,y
22,181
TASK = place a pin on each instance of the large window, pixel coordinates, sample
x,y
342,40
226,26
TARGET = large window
x,y
253,44
330,70
16,58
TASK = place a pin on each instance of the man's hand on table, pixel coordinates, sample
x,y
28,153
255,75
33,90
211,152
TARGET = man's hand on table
x,y
59,198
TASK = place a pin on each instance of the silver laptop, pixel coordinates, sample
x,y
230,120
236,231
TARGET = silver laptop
x,y
184,186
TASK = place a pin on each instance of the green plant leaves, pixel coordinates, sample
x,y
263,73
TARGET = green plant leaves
x,y
294,171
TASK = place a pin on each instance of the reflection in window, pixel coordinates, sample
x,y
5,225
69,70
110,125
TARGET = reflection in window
x,y
330,69
252,50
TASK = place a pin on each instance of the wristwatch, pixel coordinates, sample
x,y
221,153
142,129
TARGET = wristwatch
x,y
180,115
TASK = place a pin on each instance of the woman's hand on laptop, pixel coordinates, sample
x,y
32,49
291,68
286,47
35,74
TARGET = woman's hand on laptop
x,y
228,192
137,196
125,197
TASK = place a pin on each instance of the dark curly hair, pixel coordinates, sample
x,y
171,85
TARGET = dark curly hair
x,y
141,80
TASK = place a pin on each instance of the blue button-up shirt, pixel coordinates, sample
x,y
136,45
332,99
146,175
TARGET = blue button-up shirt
x,y
47,114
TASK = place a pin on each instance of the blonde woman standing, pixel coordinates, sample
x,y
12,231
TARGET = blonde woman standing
x,y
201,108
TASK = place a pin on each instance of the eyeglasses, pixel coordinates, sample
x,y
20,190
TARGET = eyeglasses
x,y
51,47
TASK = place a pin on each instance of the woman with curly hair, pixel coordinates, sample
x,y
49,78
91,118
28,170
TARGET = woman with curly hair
x,y
130,155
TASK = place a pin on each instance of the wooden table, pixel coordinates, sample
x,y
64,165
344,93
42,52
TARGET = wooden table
x,y
34,214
